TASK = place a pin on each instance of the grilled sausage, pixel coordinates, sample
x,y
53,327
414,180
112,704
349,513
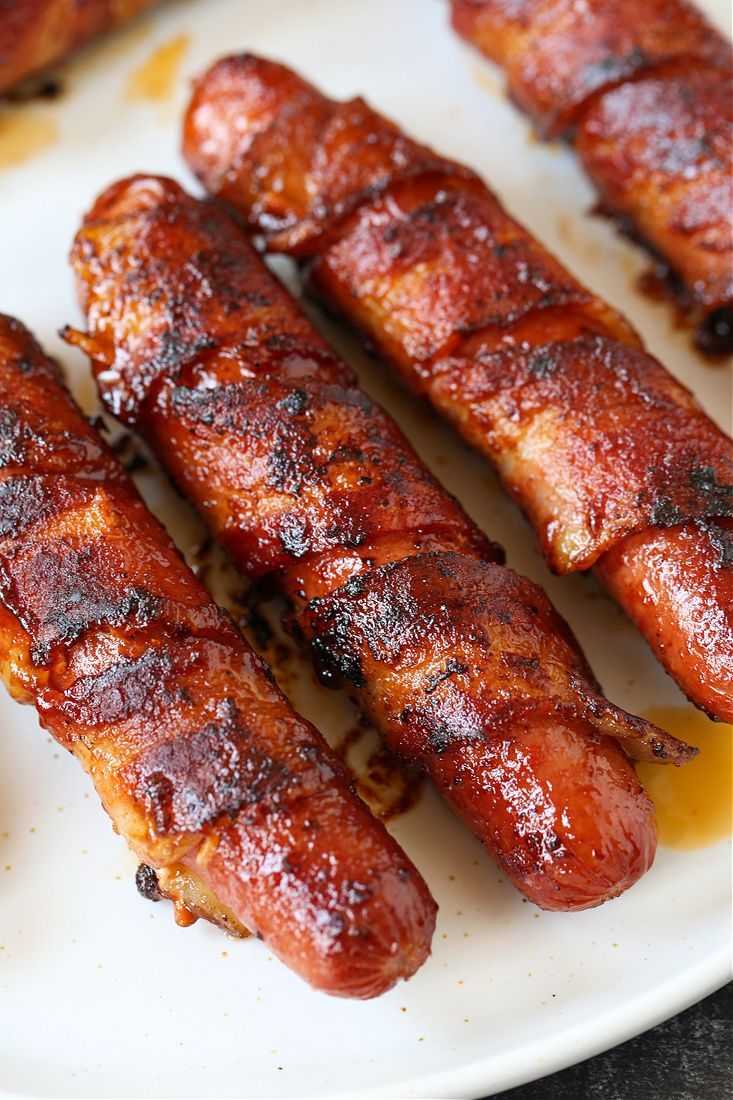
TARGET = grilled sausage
x,y
609,456
198,758
37,33
644,91
463,666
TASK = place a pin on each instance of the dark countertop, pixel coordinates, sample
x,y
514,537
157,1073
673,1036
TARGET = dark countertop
x,y
690,1057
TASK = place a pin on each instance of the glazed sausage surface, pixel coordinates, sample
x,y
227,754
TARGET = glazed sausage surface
x,y
37,33
603,449
205,769
463,666
644,91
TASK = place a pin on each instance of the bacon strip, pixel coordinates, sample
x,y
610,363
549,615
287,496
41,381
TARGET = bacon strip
x,y
463,666
37,33
609,456
198,758
644,91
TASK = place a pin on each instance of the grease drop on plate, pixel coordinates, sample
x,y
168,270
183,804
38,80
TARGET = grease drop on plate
x,y
23,134
156,77
486,81
694,803
388,788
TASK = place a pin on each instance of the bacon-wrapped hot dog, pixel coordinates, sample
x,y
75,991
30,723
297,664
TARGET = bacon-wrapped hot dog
x,y
645,93
610,458
37,33
202,764
462,665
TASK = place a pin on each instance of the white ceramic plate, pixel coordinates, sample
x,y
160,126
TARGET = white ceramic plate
x,y
100,993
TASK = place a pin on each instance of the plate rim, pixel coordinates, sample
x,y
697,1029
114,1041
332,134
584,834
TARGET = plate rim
x,y
520,1063
480,1077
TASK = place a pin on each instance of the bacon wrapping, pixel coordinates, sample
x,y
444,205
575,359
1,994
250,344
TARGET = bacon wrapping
x,y
644,91
463,666
611,459
236,801
37,33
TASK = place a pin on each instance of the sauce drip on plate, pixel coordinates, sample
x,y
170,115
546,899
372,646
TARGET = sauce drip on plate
x,y
23,134
156,77
694,803
388,788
